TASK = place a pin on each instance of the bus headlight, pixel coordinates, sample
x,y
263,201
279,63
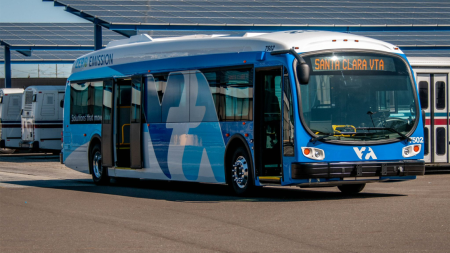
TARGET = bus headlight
x,y
411,150
313,153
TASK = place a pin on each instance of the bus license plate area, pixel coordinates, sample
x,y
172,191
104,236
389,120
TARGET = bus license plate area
x,y
360,170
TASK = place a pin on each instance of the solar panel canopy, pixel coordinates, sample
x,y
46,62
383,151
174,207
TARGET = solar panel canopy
x,y
53,34
347,13
409,41
45,56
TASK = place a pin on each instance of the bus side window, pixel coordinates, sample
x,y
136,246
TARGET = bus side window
x,y
440,95
14,106
86,102
232,91
175,103
288,119
155,86
48,109
95,100
423,93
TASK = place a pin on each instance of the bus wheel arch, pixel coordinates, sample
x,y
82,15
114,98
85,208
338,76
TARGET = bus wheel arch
x,y
237,143
96,139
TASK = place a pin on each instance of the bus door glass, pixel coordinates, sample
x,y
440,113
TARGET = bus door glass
x,y
288,118
268,138
433,92
123,107
136,123
108,124
440,118
423,82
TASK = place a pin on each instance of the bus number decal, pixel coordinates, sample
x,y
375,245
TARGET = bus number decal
x,y
416,139
270,48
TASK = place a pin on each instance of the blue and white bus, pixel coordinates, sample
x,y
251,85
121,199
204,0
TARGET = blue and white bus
x,y
303,108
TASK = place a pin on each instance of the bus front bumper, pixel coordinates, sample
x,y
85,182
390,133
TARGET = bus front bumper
x,y
357,169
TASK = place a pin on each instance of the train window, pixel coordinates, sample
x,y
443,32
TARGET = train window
x,y
440,95
426,132
423,94
440,141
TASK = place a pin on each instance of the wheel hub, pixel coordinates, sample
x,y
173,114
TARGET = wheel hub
x,y
239,173
96,166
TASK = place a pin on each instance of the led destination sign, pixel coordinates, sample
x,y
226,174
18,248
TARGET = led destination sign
x,y
342,63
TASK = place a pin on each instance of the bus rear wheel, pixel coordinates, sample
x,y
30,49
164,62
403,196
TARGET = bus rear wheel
x,y
351,188
241,172
99,173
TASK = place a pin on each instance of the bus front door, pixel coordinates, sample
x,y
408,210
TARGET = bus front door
x,y
268,142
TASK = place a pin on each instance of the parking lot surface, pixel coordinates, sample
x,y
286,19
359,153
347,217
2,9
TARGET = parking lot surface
x,y
46,207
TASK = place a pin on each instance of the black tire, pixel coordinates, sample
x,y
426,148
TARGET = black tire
x,y
7,151
351,188
99,174
240,157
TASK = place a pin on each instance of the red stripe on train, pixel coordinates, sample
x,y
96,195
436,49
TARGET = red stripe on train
x,y
437,122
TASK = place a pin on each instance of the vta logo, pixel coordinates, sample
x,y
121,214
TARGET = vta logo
x,y
368,154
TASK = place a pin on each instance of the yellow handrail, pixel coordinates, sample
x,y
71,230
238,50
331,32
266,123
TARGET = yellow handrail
x,y
123,136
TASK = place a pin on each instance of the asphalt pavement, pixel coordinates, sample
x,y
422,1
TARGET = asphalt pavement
x,y
46,207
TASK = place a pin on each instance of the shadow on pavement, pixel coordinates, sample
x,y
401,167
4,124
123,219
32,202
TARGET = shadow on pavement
x,y
26,158
195,192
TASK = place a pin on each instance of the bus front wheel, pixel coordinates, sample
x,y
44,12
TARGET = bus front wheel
x,y
351,188
241,172
99,173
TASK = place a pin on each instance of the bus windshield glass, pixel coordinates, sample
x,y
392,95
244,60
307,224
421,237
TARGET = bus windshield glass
x,y
358,97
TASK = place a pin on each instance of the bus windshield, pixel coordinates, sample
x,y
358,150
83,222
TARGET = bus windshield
x,y
358,97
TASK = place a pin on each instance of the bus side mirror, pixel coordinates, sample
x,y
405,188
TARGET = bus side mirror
x,y
303,73
61,103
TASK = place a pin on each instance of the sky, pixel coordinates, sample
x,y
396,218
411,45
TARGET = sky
x,y
34,11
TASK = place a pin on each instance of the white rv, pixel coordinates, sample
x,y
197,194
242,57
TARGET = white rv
x,y
10,106
42,118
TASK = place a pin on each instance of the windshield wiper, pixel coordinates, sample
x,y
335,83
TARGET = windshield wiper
x,y
313,140
384,128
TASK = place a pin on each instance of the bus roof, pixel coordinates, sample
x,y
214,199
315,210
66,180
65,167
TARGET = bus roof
x,y
144,48
11,91
429,61
46,87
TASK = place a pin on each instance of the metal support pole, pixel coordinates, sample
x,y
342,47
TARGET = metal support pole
x,y
97,37
7,56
